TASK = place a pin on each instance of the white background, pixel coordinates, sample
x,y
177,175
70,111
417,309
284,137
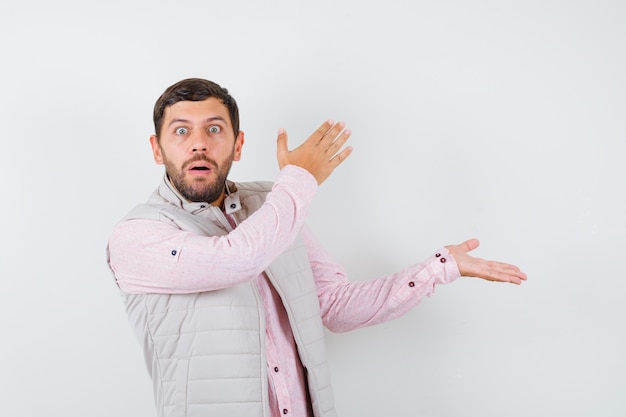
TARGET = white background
x,y
501,120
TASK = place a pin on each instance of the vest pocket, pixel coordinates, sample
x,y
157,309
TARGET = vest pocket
x,y
182,380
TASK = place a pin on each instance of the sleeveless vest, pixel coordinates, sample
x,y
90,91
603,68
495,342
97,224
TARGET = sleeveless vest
x,y
205,352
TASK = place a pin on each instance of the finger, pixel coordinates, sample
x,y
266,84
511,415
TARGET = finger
x,y
469,245
331,135
334,147
319,133
511,270
513,279
498,271
281,147
340,157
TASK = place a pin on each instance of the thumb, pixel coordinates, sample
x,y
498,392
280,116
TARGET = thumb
x,y
469,245
281,148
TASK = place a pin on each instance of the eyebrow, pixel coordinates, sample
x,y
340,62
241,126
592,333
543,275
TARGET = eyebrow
x,y
210,119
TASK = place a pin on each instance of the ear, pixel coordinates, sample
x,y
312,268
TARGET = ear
x,y
238,145
156,150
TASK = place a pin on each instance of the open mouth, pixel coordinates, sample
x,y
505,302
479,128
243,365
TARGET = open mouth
x,y
201,167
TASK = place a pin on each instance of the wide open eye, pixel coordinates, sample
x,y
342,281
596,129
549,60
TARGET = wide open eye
x,y
182,131
215,129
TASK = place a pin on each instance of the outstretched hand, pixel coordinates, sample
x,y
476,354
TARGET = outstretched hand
x,y
480,268
320,154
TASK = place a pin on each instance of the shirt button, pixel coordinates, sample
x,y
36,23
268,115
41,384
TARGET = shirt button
x,y
442,260
202,206
411,284
276,369
174,252
437,255
285,411
233,206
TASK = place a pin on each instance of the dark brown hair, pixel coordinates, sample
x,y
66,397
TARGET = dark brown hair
x,y
194,89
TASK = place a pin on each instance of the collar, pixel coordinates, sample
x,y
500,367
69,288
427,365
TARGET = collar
x,y
169,192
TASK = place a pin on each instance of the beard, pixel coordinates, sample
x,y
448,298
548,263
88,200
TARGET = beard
x,y
199,189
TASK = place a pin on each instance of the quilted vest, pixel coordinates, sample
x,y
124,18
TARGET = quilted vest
x,y
205,352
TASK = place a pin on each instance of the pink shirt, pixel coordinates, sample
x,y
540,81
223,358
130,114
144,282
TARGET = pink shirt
x,y
139,258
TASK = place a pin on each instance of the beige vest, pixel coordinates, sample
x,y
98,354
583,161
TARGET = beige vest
x,y
205,351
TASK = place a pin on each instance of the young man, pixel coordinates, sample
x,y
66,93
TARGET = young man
x,y
224,285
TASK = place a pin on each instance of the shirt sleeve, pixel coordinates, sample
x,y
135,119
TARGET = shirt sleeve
x,y
348,305
149,256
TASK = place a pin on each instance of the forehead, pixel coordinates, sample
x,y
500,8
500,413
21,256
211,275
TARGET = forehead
x,y
197,111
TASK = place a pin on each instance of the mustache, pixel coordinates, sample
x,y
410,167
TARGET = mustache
x,y
199,158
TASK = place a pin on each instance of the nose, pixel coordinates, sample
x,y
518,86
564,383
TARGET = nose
x,y
199,149
199,143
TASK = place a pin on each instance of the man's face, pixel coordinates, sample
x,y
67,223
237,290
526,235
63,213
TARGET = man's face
x,y
197,147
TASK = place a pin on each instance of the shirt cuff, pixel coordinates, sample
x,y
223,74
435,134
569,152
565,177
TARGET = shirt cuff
x,y
448,270
419,280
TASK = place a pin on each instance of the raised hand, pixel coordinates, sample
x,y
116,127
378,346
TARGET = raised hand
x,y
320,154
480,268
